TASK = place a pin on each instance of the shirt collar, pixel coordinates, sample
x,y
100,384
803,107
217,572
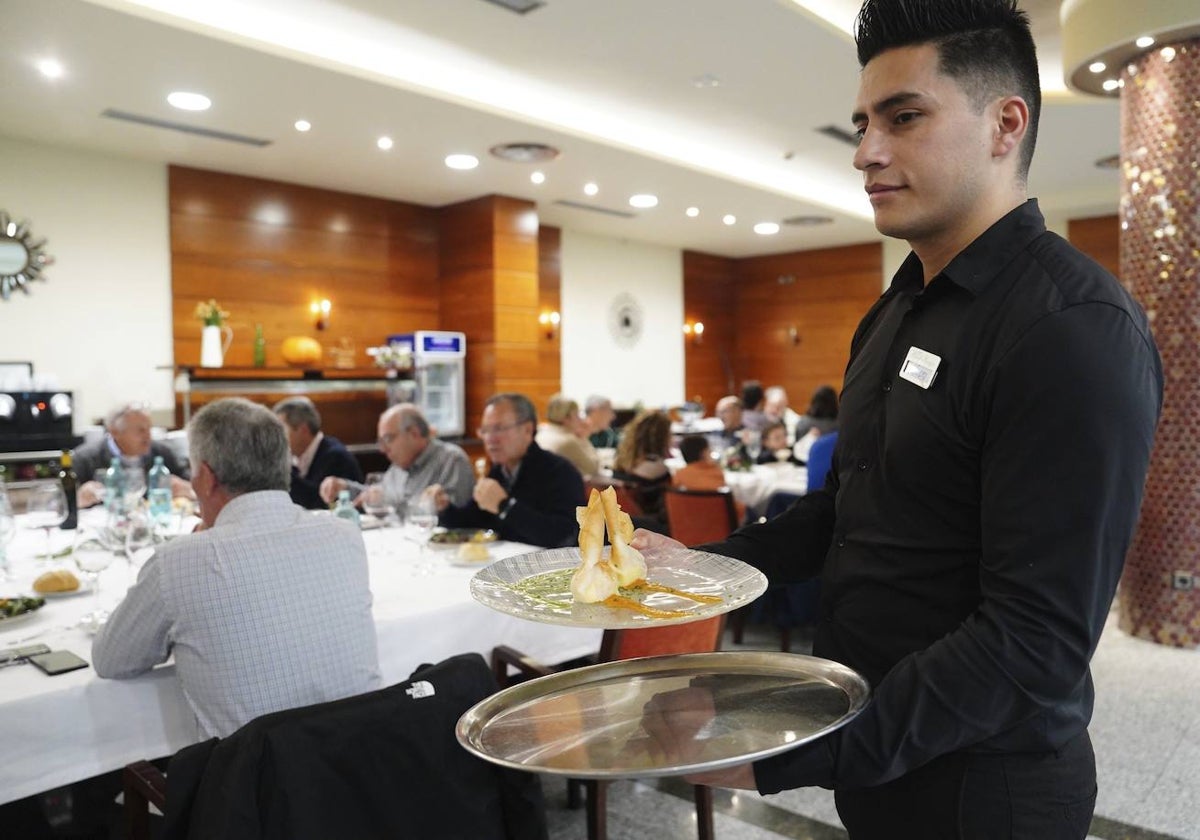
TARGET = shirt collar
x,y
421,460
304,459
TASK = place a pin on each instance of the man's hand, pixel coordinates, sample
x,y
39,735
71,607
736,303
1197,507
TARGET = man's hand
x,y
489,495
180,488
330,487
441,499
89,493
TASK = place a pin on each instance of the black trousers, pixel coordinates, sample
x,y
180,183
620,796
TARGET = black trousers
x,y
981,796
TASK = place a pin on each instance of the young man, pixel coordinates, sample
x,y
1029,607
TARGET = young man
x,y
995,430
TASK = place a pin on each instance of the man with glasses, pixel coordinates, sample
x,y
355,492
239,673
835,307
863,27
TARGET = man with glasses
x,y
529,495
419,460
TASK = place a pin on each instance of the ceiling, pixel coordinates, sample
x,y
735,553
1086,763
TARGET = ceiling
x,y
611,84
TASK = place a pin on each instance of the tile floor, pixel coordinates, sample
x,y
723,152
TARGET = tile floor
x,y
1146,733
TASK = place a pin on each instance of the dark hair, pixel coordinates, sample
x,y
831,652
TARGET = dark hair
x,y
752,393
984,45
692,447
520,403
824,404
299,411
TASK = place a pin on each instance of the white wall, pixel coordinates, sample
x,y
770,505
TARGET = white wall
x,y
595,270
101,322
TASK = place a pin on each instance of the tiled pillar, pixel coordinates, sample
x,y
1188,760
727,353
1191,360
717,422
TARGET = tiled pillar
x,y
1160,264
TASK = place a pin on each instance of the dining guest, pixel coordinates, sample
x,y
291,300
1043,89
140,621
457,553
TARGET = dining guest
x,y
821,414
775,449
268,607
995,430
565,433
127,437
778,409
417,460
754,402
529,495
641,462
315,455
600,416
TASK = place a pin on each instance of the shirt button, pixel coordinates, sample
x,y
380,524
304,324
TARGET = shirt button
x,y
862,465
841,542
887,386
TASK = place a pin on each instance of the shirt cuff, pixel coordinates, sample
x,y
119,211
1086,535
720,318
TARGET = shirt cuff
x,y
505,508
806,766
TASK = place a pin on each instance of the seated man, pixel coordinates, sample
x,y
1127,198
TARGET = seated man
x,y
600,415
126,436
565,433
268,607
779,410
729,412
315,455
530,495
419,460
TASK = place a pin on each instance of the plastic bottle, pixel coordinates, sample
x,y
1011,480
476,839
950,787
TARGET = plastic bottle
x,y
260,347
70,483
114,487
345,510
158,482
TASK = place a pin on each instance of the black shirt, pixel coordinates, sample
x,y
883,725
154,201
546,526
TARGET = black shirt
x,y
973,532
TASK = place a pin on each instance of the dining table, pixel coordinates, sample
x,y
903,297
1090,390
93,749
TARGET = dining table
x,y
753,487
59,729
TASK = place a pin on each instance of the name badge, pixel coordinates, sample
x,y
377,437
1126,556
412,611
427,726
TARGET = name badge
x,y
920,367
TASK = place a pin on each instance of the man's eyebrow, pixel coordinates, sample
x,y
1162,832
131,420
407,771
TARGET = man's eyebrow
x,y
893,101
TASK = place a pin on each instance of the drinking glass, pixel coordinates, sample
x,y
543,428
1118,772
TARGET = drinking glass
x,y
93,554
140,537
422,519
375,501
135,487
46,508
8,530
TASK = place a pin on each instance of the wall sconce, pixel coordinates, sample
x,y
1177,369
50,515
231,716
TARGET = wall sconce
x,y
793,335
550,321
694,331
320,312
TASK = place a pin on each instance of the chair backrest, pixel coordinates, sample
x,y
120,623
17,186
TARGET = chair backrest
x,y
625,495
700,516
702,636
820,460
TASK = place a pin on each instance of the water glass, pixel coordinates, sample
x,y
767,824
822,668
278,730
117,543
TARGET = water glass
x,y
135,487
375,499
46,508
8,530
93,554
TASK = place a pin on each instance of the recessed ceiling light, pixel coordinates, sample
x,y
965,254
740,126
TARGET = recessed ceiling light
x,y
1168,53
692,212
590,188
384,143
705,80
766,228
50,68
1110,84
729,219
1144,41
303,125
462,161
185,101
538,177
1097,66
643,200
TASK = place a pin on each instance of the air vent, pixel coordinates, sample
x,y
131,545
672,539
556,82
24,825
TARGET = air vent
x,y
154,122
519,6
524,152
838,133
807,221
1110,162
592,208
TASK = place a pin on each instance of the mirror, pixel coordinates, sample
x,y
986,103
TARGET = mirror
x,y
21,258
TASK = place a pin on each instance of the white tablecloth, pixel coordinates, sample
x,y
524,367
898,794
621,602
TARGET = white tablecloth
x,y
754,487
56,730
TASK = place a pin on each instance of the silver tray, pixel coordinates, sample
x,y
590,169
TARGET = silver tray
x,y
723,709
683,568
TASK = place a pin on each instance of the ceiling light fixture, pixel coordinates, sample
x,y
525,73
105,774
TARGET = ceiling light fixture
x,y
1110,85
692,212
1108,162
462,161
303,125
50,68
524,152
538,177
643,200
186,101
590,188
1097,66
705,80
384,143
766,228
729,219
1144,41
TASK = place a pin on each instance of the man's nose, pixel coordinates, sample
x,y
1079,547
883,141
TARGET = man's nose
x,y
871,151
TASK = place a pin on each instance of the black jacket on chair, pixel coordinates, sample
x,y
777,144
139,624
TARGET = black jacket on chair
x,y
383,764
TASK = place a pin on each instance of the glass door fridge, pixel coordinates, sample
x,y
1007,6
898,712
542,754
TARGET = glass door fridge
x,y
440,378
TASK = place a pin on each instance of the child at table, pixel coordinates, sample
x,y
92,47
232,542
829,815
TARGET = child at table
x,y
775,449
701,471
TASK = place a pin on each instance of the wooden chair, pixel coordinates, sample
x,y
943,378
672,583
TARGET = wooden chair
x,y
700,516
701,636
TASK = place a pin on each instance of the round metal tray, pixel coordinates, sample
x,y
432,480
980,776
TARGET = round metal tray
x,y
663,715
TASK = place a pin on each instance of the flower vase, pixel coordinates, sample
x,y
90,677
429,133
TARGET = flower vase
x,y
214,341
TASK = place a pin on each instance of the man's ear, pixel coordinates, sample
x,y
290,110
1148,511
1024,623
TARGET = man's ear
x,y
1012,121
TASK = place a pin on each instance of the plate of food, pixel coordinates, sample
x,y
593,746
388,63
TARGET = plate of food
x,y
471,555
18,608
456,537
60,583
615,586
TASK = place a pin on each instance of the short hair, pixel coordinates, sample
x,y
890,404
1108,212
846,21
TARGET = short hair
x,y
770,427
116,418
824,404
727,401
410,418
776,392
596,402
752,393
561,408
692,448
520,404
297,411
984,45
243,443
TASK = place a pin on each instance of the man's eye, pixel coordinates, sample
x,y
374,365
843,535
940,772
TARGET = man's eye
x,y
906,116
859,133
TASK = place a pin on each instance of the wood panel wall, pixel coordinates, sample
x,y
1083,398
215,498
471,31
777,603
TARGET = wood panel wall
x,y
1099,238
709,295
549,341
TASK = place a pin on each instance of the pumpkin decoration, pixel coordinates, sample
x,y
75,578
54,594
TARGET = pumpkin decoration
x,y
301,351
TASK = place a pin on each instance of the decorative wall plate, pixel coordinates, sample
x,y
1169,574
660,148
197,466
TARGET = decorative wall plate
x,y
21,257
625,320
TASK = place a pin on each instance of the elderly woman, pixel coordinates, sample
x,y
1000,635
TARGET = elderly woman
x,y
565,433
641,460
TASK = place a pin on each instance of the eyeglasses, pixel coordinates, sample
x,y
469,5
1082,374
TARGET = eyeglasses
x,y
386,440
485,431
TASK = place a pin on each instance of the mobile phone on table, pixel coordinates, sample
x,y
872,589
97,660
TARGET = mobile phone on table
x,y
58,662
16,654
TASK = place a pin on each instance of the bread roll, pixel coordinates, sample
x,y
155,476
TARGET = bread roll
x,y
59,580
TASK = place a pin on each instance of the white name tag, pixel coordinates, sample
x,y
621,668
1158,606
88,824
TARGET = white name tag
x,y
920,367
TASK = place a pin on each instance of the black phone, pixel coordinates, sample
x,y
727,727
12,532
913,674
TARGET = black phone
x,y
58,662
16,654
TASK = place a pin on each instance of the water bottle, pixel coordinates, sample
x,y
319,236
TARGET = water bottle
x,y
159,483
114,487
345,510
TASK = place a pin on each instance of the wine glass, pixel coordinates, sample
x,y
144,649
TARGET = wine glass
x,y
46,508
8,530
93,554
375,499
422,519
140,536
135,487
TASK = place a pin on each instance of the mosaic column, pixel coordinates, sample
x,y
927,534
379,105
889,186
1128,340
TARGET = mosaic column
x,y
1160,264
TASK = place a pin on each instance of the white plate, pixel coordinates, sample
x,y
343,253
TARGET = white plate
x,y
85,587
685,569
13,621
455,560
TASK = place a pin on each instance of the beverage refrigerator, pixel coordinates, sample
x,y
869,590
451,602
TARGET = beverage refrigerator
x,y
440,378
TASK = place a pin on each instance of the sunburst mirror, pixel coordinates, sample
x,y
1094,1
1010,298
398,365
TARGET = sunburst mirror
x,y
21,257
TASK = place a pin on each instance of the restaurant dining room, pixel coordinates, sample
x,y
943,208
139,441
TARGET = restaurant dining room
x,y
571,419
